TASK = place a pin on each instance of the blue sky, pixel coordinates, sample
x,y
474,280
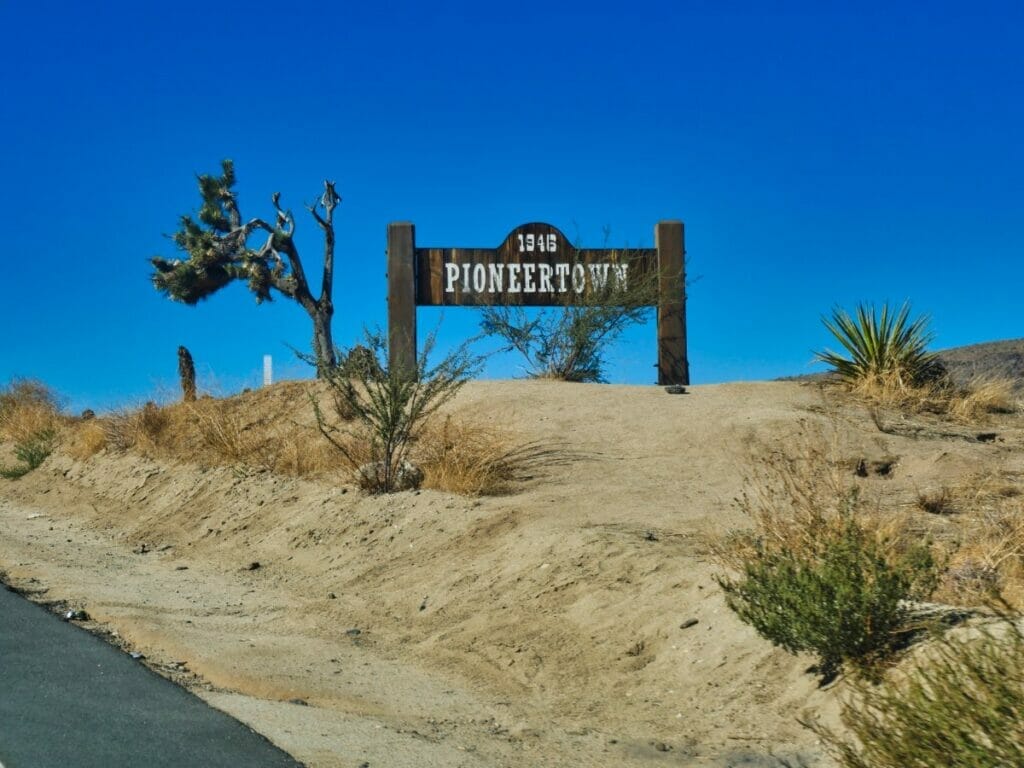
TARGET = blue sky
x,y
819,153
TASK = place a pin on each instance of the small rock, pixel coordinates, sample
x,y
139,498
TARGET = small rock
x,y
650,536
253,566
661,746
676,389
76,616
181,568
299,702
137,656
688,623
354,632
331,596
408,476
423,605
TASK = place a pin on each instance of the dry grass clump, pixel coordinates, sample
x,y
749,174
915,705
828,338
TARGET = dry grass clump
x,y
141,429
471,458
263,430
28,408
989,563
796,497
981,398
974,403
86,439
251,430
31,420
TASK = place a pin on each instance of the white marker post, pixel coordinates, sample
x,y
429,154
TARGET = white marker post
x,y
268,371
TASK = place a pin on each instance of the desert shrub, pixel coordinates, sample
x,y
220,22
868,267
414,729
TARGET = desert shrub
x,y
846,602
30,418
569,342
380,411
31,451
885,349
28,408
960,705
821,571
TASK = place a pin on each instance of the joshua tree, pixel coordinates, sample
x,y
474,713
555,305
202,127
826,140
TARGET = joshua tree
x,y
187,374
219,252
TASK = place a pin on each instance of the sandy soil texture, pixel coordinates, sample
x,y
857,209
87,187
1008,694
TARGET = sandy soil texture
x,y
547,627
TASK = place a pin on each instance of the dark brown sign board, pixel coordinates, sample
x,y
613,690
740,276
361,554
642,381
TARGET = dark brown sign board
x,y
536,265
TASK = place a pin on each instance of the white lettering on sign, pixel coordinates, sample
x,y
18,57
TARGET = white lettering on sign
x,y
530,242
535,278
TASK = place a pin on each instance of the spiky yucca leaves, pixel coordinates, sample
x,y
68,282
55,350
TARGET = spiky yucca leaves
x,y
885,345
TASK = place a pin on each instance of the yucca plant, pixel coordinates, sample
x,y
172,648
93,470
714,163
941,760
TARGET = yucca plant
x,y
884,345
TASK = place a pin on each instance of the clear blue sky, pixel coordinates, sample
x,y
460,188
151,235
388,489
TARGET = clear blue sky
x,y
819,153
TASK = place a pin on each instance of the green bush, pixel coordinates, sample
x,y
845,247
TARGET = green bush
x,y
960,706
887,346
841,598
388,407
32,451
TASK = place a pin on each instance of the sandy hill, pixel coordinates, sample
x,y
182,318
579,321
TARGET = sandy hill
x,y
550,626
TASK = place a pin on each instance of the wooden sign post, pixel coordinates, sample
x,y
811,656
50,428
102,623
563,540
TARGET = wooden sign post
x,y
535,266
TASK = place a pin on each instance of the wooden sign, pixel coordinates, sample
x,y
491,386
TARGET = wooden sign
x,y
535,265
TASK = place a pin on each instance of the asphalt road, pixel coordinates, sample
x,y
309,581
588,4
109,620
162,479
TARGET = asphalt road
x,y
68,698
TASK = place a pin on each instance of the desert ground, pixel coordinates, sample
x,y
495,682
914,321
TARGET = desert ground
x,y
551,625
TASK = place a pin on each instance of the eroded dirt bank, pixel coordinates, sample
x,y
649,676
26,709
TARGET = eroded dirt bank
x,y
425,629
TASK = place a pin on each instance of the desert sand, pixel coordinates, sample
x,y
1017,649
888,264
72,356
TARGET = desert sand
x,y
551,626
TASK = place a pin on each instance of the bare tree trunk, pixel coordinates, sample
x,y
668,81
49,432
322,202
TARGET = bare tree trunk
x,y
323,343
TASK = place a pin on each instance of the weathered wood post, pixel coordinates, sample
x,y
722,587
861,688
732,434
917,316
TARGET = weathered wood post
x,y
402,297
673,367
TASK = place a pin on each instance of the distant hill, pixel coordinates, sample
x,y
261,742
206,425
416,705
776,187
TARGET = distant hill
x,y
995,359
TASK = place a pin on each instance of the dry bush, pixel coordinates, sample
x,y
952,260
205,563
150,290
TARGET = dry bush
x,y
989,563
28,408
141,429
86,440
471,458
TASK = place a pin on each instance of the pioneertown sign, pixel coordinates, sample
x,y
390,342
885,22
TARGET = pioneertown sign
x,y
535,266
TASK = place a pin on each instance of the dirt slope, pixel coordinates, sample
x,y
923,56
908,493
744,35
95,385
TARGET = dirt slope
x,y
540,628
